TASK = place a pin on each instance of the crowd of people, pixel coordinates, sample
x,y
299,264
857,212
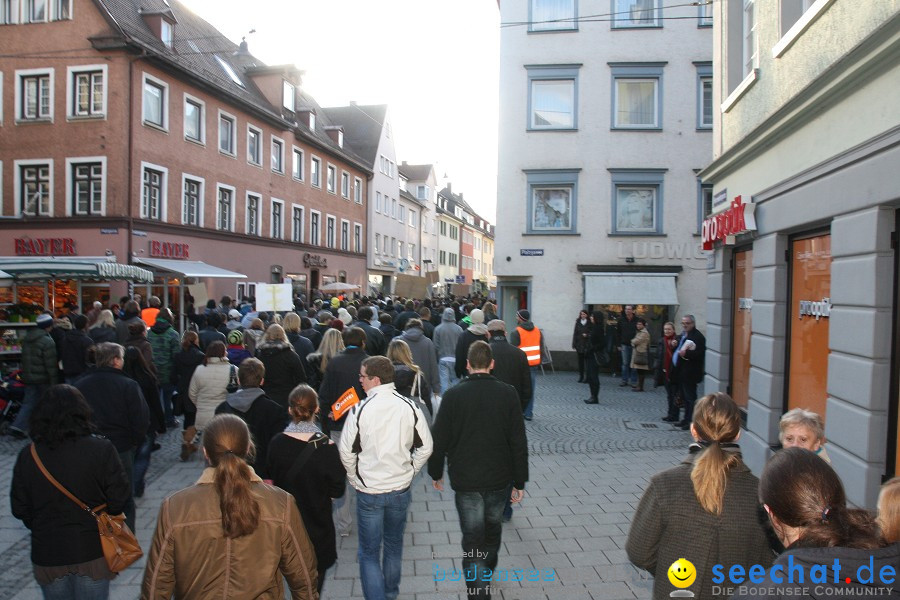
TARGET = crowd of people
x,y
289,412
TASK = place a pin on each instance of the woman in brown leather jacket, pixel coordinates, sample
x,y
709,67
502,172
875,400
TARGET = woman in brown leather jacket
x,y
229,535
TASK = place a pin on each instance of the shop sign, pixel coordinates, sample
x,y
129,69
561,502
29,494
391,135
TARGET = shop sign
x,y
460,279
45,247
109,231
314,260
736,219
745,303
531,251
815,309
169,250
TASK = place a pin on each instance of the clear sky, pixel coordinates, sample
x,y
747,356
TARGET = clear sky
x,y
434,62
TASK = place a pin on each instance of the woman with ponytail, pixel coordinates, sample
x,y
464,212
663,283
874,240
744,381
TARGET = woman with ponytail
x,y
704,510
229,535
808,508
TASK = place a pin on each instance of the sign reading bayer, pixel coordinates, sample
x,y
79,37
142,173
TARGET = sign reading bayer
x,y
531,251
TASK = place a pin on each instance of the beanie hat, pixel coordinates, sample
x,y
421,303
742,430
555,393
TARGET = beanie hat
x,y
496,325
45,320
477,316
335,302
524,315
236,337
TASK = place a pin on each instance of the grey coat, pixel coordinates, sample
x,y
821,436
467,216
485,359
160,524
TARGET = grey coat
x,y
424,356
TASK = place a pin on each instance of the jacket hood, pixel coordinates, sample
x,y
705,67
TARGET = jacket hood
x,y
414,335
244,398
273,347
448,316
160,326
526,325
478,328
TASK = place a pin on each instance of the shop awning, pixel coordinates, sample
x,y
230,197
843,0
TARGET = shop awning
x,y
189,268
630,288
51,267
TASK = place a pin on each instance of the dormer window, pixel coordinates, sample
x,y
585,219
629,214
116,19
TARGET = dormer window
x,y
167,33
312,121
287,96
336,133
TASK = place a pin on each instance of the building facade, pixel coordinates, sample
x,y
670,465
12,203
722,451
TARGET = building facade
x,y
142,133
604,124
803,292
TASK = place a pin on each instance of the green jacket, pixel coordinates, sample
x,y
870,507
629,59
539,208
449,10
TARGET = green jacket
x,y
39,362
165,343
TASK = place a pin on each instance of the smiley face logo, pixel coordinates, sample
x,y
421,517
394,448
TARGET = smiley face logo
x,y
682,573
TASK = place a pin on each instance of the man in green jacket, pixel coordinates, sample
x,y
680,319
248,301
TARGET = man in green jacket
x,y
40,370
165,343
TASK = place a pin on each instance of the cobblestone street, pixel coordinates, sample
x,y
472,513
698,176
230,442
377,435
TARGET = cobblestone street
x,y
588,468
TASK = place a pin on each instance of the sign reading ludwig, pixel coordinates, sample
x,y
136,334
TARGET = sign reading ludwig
x,y
737,218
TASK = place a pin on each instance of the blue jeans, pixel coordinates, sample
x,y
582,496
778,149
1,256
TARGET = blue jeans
x,y
32,394
529,408
165,396
142,463
447,369
381,520
481,522
76,587
629,375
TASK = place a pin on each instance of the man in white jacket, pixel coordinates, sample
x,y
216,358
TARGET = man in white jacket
x,y
384,443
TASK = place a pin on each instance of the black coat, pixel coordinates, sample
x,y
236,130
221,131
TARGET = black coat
x,y
627,330
403,382
341,374
150,390
185,363
375,342
401,319
119,409
581,337
264,418
312,335
61,532
208,335
75,352
302,346
511,367
102,334
690,368
462,349
284,370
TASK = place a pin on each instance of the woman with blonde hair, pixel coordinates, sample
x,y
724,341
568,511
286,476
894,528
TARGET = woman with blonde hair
x,y
302,346
104,329
229,535
332,343
409,379
640,356
889,510
705,510
284,369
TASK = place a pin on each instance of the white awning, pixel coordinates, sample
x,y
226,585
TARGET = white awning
x,y
630,288
189,268
76,267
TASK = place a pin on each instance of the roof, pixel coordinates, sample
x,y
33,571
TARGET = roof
x,y
362,127
416,172
198,48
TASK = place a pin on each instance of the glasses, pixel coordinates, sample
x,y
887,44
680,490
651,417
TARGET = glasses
x,y
364,376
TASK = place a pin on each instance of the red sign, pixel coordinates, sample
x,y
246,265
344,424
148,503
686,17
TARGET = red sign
x,y
169,250
45,247
737,218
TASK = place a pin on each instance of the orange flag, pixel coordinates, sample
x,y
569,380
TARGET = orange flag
x,y
348,400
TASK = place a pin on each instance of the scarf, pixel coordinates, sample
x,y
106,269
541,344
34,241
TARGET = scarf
x,y
302,427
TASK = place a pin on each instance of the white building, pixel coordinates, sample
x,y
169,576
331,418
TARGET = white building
x,y
421,184
604,123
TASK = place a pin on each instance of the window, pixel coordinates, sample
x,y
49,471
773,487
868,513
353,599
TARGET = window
x,y
704,95
345,184
276,224
314,226
312,121
296,223
277,155
422,192
412,252
357,190
552,15
751,50
329,231
443,257
384,248
331,180
227,134
401,249
377,243
452,259
637,95
791,12
704,203
86,186
413,219
552,201
315,172
34,96
153,192
35,187
393,207
6,12
87,91
705,13
393,245
254,145
378,202
297,169
194,111
345,235
552,97
637,197
253,212
155,110
36,10
287,95
63,10
229,70
401,216
192,201
166,33
357,238
636,13
444,228
454,232
225,208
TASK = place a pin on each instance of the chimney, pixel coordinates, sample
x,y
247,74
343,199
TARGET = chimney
x,y
243,48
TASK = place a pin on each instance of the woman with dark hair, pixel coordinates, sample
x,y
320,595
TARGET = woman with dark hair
x,y
135,366
304,462
229,535
284,368
209,384
581,343
808,508
640,356
185,363
596,345
705,510
664,370
65,547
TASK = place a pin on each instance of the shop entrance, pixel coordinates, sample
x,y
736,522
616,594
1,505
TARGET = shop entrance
x,y
313,279
740,341
512,298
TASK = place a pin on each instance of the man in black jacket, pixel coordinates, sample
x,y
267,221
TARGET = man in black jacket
x,y
627,331
688,366
75,346
263,416
510,363
119,410
211,333
480,430
375,342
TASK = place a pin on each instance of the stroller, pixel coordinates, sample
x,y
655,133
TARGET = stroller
x,y
12,394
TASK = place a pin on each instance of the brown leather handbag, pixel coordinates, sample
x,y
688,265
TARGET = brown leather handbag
x,y
120,547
